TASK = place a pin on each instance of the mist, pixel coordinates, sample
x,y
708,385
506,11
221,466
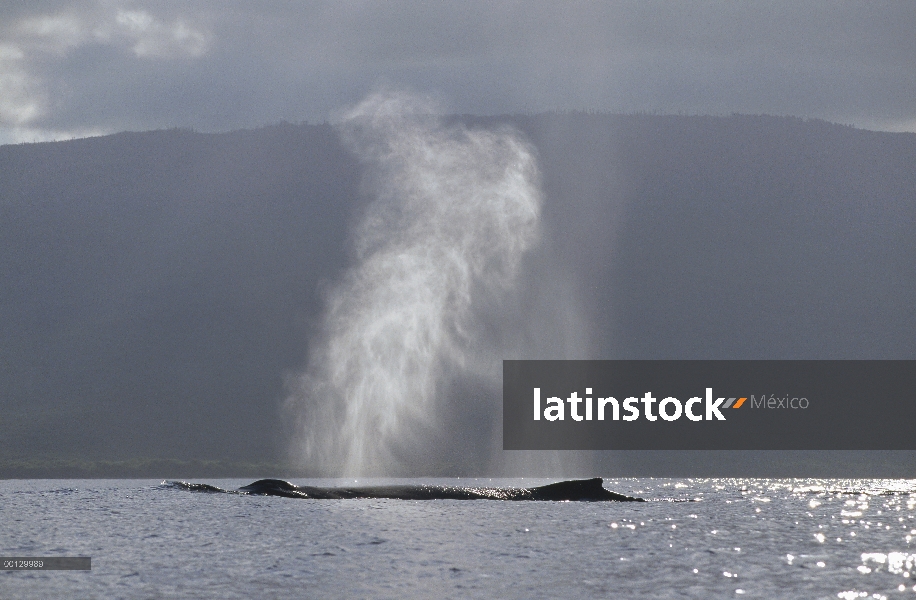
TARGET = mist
x,y
171,295
452,212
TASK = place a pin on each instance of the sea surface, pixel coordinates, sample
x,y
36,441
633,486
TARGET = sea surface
x,y
696,538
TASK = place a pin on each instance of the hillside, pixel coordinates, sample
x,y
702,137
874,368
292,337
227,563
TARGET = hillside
x,y
158,287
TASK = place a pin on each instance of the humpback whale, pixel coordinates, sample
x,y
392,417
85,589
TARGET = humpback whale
x,y
585,490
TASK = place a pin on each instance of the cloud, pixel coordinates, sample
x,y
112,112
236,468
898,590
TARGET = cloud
x,y
19,96
51,33
148,37
33,47
105,64
137,30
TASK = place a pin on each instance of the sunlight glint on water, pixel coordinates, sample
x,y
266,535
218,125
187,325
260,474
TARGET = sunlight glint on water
x,y
740,537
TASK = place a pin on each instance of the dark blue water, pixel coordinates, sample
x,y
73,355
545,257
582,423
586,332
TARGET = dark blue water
x,y
754,538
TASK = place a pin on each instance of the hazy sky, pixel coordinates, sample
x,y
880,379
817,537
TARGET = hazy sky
x,y
93,66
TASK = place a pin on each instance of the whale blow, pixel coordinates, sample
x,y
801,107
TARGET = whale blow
x,y
452,212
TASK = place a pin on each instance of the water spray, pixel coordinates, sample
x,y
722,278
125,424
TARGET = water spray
x,y
453,211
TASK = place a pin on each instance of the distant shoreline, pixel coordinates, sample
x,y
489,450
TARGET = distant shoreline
x,y
58,468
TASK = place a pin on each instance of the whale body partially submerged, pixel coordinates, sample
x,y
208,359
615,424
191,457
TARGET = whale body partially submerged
x,y
584,490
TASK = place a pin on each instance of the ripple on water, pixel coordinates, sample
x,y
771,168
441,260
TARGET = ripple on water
x,y
744,537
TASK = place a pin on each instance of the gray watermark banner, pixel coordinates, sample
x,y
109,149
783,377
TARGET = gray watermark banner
x,y
709,405
45,563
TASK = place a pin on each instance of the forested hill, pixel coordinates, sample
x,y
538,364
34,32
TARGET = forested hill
x,y
157,287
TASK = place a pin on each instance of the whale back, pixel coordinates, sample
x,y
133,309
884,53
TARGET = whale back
x,y
272,487
577,490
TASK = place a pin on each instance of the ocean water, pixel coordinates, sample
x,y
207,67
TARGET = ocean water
x,y
696,538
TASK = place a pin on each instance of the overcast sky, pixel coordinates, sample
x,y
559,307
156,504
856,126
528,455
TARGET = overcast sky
x,y
84,67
